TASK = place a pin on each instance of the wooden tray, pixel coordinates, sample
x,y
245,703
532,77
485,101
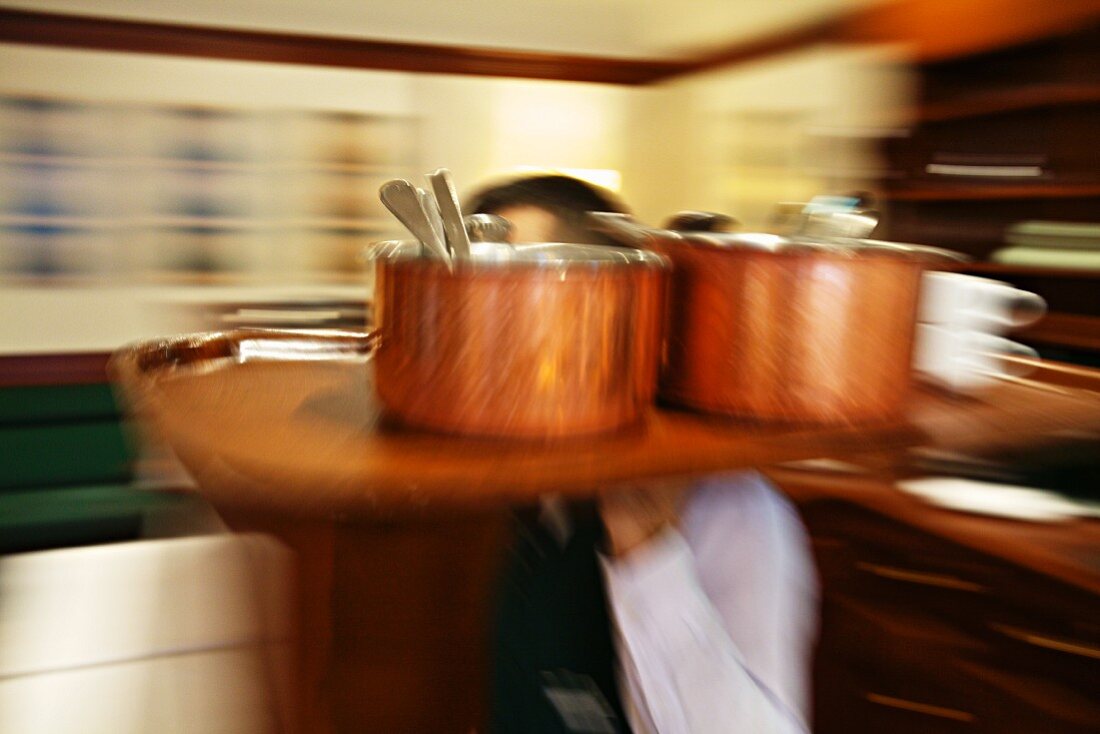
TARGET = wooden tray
x,y
288,421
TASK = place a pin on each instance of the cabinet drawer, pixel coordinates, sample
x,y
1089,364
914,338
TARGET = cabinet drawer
x,y
923,559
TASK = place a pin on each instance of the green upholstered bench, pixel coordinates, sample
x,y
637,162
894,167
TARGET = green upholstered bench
x,y
67,464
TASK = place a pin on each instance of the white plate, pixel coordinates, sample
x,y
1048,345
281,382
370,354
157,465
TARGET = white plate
x,y
998,500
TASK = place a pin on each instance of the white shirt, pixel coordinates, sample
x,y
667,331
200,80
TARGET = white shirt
x,y
715,623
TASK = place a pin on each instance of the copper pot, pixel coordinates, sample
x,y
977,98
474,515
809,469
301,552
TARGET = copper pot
x,y
812,330
533,341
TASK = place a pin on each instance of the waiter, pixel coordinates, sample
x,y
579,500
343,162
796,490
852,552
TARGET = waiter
x,y
674,607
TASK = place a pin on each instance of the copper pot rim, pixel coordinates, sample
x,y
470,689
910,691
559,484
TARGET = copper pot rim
x,y
841,248
528,256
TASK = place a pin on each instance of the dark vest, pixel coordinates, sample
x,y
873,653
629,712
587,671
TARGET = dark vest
x,y
553,657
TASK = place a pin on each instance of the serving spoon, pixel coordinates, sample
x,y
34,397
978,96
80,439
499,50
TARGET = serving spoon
x,y
447,198
427,201
403,201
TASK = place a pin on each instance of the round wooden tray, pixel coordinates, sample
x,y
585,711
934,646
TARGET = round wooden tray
x,y
288,421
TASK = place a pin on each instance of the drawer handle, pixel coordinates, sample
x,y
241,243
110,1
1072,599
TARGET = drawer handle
x,y
1049,643
921,708
925,579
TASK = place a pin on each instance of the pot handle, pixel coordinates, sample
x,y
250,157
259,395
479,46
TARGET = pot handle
x,y
696,221
622,227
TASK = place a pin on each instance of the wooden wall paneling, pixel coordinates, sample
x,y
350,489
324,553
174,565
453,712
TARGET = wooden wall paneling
x,y
313,543
393,618
933,29
26,370
411,613
71,31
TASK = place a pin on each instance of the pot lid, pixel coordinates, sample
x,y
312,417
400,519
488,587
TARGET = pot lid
x,y
530,254
841,234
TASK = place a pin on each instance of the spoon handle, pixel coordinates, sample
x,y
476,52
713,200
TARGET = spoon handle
x,y
427,202
444,189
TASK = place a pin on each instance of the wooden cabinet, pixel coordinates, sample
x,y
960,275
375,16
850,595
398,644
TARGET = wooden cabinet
x,y
924,634
996,138
1003,137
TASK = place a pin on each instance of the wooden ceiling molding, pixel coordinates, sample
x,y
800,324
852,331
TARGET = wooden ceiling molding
x,y
933,30
74,31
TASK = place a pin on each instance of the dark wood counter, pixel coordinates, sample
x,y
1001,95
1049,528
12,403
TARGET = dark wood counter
x,y
1067,550
935,620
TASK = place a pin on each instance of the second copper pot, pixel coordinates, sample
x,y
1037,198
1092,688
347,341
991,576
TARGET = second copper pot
x,y
770,329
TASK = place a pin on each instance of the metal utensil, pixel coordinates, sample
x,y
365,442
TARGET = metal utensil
x,y
622,227
855,224
403,201
447,198
427,201
487,228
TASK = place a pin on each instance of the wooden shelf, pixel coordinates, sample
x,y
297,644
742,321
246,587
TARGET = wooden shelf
x,y
999,101
123,161
1001,191
1024,106
1002,269
193,164
15,221
212,224
1069,331
12,158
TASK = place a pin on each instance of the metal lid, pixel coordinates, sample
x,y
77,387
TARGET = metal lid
x,y
522,255
801,244
855,247
840,234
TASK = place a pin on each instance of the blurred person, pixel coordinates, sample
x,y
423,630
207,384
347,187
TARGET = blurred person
x,y
674,606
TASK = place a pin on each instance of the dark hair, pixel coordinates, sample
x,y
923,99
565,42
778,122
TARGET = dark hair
x,y
568,199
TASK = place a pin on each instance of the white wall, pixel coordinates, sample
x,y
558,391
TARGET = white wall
x,y
669,141
604,27
482,128
123,77
667,163
478,127
692,25
832,91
